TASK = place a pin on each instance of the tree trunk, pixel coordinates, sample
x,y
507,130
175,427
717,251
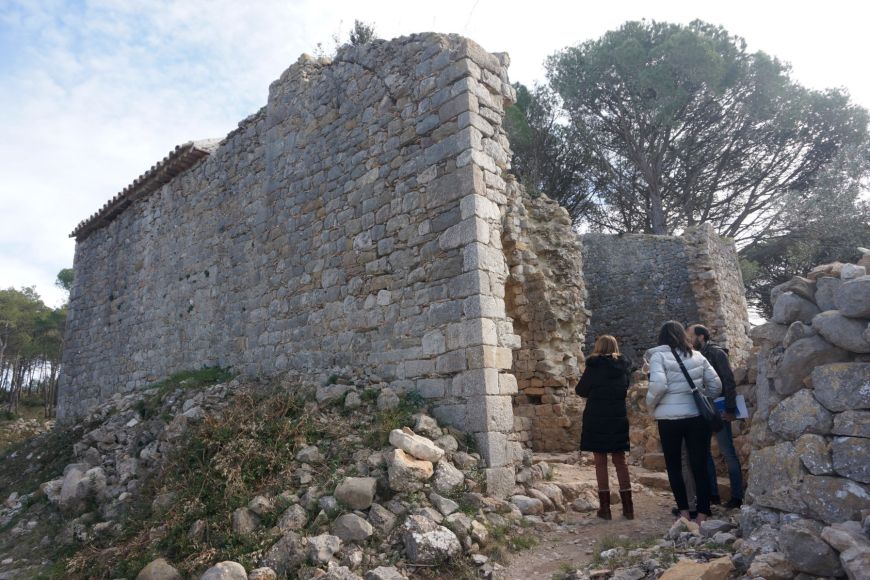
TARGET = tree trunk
x,y
658,223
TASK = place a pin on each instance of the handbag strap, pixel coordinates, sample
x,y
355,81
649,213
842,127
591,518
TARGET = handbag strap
x,y
683,368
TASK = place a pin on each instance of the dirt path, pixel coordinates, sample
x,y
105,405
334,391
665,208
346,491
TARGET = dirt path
x,y
571,542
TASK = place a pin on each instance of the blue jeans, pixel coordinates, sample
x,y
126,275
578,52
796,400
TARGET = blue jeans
x,y
725,439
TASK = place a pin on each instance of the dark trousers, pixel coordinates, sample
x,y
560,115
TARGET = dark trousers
x,y
602,476
725,439
696,433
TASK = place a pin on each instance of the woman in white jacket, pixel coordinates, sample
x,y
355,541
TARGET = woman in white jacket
x,y
670,401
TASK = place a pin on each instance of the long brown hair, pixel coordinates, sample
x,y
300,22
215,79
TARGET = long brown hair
x,y
605,345
674,335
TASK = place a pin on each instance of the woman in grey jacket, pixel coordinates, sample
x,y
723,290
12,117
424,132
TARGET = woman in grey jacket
x,y
670,401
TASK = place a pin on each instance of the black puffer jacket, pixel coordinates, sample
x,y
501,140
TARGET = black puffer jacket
x,y
605,421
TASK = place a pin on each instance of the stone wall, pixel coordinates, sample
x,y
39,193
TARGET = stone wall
x,y
545,298
353,221
809,466
637,281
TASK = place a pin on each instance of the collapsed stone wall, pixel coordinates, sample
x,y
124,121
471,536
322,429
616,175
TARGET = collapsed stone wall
x,y
809,474
545,298
353,221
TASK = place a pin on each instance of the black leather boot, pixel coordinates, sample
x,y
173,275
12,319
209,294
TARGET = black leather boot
x,y
604,505
627,504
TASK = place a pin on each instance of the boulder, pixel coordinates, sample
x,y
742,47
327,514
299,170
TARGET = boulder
x,y
336,571
852,271
790,307
225,571
553,493
285,555
245,521
309,454
799,360
807,551
357,493
832,499
853,298
801,413
329,393
384,573
798,285
294,518
717,569
769,334
847,333
856,563
428,543
833,270
322,548
852,457
448,443
815,453
387,399
381,519
427,426
80,483
447,477
774,478
406,473
842,386
261,505
158,569
442,504
709,528
352,528
415,445
771,566
352,400
262,574
845,535
528,505
852,424
826,289
797,331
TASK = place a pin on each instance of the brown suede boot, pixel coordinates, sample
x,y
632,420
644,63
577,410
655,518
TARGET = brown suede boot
x,y
627,504
604,505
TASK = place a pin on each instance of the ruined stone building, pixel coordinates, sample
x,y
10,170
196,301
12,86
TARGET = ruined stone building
x,y
366,217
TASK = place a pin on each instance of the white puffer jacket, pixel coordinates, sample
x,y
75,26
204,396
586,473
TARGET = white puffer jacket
x,y
669,395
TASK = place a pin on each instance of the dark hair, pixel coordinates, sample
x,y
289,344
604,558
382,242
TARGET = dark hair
x,y
701,330
673,335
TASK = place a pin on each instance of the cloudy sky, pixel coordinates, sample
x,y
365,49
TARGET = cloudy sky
x,y
93,92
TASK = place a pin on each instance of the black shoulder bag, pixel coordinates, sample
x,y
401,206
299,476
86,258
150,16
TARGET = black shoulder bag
x,y
705,406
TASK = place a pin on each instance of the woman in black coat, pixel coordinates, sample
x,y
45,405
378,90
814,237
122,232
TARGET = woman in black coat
x,y
605,420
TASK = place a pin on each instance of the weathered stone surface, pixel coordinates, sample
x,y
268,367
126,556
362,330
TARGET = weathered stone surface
x,y
384,573
427,426
853,298
225,571
528,505
856,563
796,331
852,457
322,548
356,492
790,307
352,528
843,386
710,528
815,454
798,285
847,333
261,505
716,569
807,551
309,454
285,555
833,499
447,477
262,574
245,521
852,271
769,334
845,535
406,473
771,566
852,424
158,569
428,543
798,414
444,505
774,478
826,289
294,518
415,445
801,358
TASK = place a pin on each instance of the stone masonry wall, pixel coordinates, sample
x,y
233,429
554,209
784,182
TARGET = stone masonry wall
x,y
546,300
353,221
638,281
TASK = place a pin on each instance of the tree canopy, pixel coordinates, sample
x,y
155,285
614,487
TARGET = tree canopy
x,y
654,127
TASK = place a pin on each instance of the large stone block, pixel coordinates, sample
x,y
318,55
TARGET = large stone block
x,y
842,386
853,298
832,499
852,457
807,551
815,454
801,413
847,333
826,289
775,476
852,424
801,358
789,307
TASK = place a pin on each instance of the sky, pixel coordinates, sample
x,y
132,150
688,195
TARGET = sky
x,y
94,92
